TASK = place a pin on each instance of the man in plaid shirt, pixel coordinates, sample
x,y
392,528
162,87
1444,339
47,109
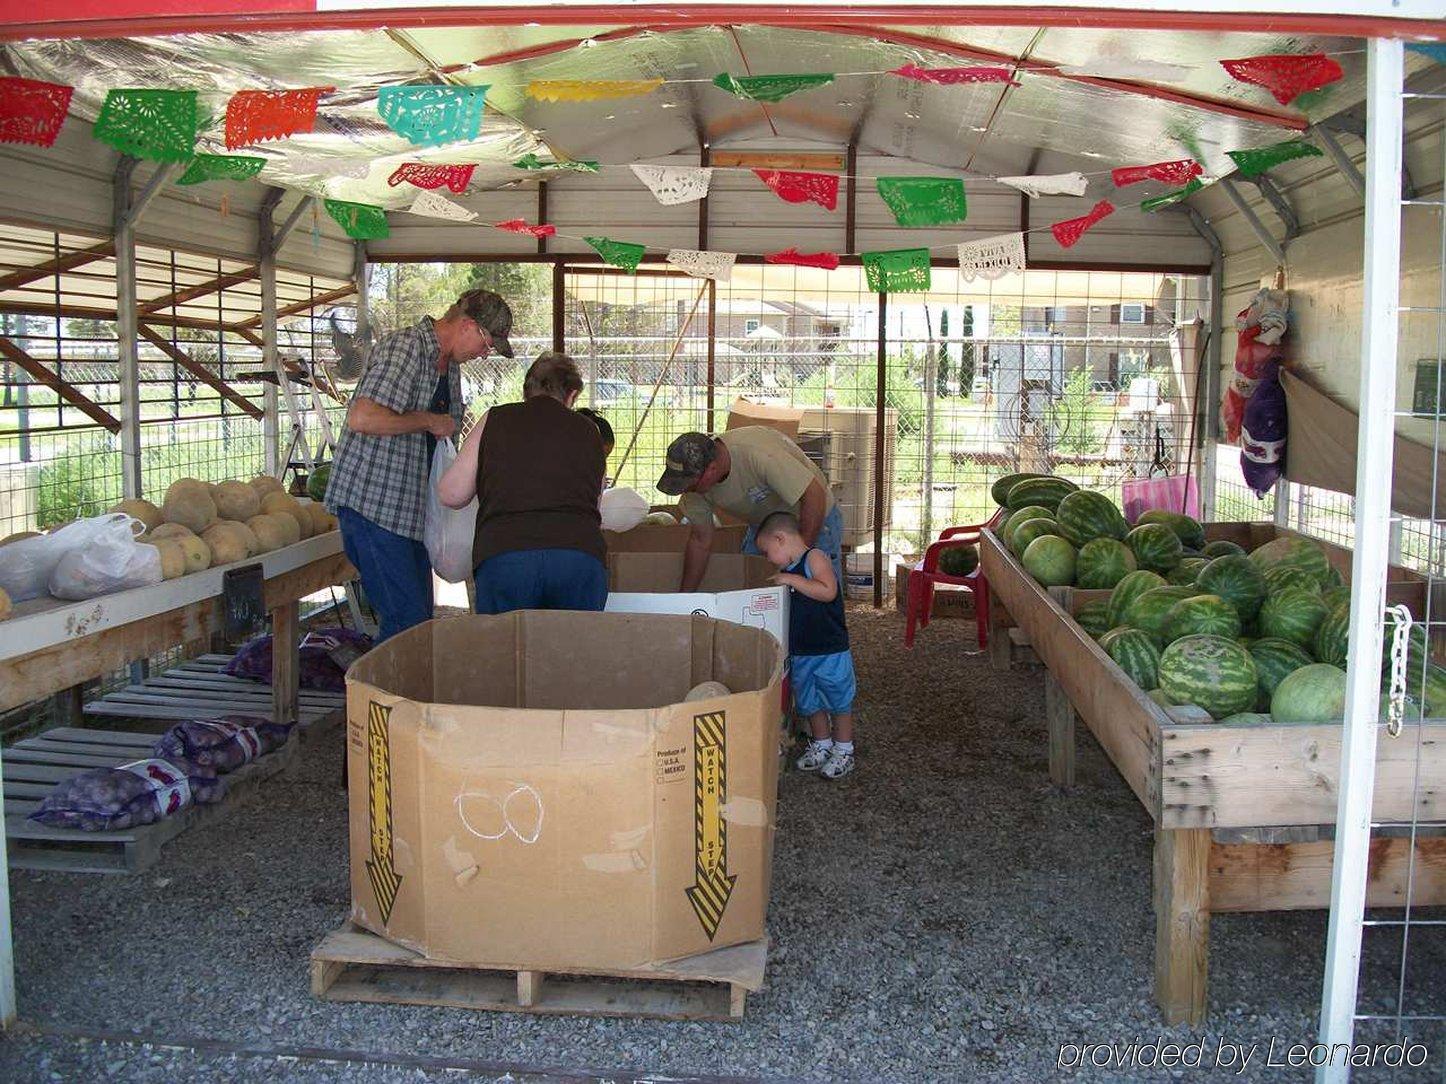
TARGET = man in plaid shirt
x,y
409,398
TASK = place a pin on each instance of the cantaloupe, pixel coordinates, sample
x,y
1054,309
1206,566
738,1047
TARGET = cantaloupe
x,y
5,605
190,505
318,516
284,504
18,536
330,523
144,511
198,554
173,558
708,690
236,501
287,524
167,530
270,531
264,484
227,544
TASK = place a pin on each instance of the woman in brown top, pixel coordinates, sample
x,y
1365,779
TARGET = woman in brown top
x,y
536,469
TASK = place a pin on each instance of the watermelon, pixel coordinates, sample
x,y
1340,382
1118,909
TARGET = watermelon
x,y
1215,673
1156,547
1001,487
1050,560
1136,654
1187,528
1332,636
317,482
1334,596
1334,578
959,560
1150,610
1283,576
1159,697
1312,694
1022,515
1187,572
1221,548
1274,659
1237,581
1293,614
1042,491
1112,635
1130,588
1029,530
1201,615
1085,515
1103,562
1093,617
1247,718
1424,680
1292,551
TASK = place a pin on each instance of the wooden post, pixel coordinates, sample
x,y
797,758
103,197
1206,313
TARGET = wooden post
x,y
1001,650
68,706
529,988
1182,923
1059,713
285,662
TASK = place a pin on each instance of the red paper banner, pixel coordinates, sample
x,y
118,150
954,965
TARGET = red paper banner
x,y
819,188
1072,229
32,111
432,177
951,76
517,225
253,116
826,260
1286,76
1177,173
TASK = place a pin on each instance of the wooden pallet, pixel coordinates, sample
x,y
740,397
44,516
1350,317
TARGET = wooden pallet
x,y
200,688
33,766
352,964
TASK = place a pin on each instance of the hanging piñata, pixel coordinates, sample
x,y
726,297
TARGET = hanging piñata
x,y
1263,431
1261,326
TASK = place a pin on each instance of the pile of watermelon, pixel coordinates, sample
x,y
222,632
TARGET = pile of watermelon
x,y
1249,637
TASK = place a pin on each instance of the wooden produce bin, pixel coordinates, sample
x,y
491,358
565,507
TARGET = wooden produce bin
x,y
1223,797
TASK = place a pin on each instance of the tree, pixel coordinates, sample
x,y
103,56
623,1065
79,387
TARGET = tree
x,y
966,353
941,377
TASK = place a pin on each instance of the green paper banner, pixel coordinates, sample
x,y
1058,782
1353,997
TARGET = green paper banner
x,y
622,254
159,125
531,161
924,201
361,221
769,88
899,271
1253,163
1170,198
221,167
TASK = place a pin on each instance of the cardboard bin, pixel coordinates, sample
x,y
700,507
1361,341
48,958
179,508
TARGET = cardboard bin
x,y
734,588
530,791
657,538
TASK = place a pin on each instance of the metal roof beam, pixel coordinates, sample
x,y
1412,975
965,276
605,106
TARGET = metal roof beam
x,y
68,262
1267,239
1273,195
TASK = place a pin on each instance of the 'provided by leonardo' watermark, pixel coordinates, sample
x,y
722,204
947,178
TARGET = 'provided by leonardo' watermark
x,y
1225,1054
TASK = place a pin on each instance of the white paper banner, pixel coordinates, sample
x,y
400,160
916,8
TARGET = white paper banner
x,y
435,206
1055,184
672,185
1126,68
313,166
991,258
703,265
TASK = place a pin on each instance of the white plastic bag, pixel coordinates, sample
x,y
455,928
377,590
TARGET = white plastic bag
x,y
26,566
622,509
448,532
110,560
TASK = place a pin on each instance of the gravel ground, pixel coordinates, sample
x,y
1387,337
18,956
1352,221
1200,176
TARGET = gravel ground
x,y
943,914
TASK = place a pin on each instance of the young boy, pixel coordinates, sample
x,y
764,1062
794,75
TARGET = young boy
x,y
821,667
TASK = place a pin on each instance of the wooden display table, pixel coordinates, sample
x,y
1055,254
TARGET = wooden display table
x,y
1237,809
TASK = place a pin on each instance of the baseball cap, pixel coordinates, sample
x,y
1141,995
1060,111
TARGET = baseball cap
x,y
688,457
491,312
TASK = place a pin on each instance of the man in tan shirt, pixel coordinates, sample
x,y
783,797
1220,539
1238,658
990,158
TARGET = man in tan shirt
x,y
749,473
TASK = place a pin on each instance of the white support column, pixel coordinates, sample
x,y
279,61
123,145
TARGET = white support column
x,y
1385,71
361,274
127,358
1284,492
266,262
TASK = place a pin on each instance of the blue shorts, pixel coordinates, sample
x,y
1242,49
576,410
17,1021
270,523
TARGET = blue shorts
x,y
823,683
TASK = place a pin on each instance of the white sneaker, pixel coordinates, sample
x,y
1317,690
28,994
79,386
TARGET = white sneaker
x,y
838,765
814,757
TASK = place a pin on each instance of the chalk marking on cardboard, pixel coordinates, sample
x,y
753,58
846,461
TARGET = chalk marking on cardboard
x,y
503,807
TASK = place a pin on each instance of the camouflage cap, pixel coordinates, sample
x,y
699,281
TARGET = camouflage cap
x,y
491,312
688,457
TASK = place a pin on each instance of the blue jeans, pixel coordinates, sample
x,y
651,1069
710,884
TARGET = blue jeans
x,y
549,579
830,540
395,572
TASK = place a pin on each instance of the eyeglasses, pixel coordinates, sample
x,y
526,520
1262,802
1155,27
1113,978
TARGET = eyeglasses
x,y
483,334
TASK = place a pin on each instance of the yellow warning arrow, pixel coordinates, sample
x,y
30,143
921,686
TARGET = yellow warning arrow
x,y
380,870
711,883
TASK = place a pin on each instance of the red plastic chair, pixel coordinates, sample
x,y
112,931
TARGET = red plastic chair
x,y
920,601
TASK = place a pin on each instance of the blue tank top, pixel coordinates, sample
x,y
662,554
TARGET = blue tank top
x,y
815,628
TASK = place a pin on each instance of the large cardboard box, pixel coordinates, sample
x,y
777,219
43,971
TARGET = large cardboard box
x,y
783,418
656,538
529,790
735,588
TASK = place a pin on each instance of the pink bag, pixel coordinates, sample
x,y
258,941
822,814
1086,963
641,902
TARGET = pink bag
x,y
1171,493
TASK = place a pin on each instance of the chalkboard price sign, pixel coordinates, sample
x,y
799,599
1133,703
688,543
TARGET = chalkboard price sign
x,y
244,609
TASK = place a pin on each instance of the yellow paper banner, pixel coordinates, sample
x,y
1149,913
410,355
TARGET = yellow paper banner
x,y
589,90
